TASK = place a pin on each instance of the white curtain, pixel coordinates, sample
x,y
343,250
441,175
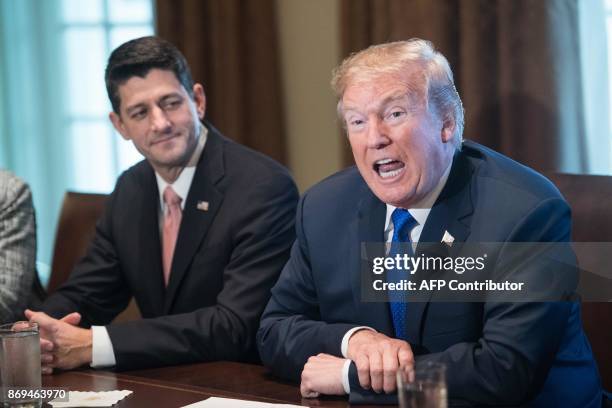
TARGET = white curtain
x,y
32,143
595,84
55,133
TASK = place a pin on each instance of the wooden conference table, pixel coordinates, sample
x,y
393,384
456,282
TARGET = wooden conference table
x,y
182,385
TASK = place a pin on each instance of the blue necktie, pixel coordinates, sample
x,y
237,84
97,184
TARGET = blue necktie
x,y
403,223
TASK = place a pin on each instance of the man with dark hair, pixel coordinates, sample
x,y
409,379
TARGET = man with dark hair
x,y
138,59
197,233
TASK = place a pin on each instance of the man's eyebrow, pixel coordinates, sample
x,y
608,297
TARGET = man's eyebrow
x,y
170,95
347,109
396,96
132,108
165,97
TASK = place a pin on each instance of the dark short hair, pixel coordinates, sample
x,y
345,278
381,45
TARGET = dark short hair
x,y
137,57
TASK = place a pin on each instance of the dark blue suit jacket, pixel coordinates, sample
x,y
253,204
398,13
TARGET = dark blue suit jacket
x,y
226,260
496,353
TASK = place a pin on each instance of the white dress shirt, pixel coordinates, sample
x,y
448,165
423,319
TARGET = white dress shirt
x,y
102,354
420,211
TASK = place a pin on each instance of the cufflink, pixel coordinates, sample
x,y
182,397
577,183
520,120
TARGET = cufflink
x,y
203,205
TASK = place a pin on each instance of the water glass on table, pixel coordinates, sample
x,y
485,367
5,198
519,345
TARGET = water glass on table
x,y
422,385
19,365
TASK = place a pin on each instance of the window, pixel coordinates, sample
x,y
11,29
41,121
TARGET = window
x,y
90,30
54,127
595,23
609,31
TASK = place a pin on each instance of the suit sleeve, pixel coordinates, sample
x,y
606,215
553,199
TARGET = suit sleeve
x,y
518,343
225,331
96,288
17,248
291,328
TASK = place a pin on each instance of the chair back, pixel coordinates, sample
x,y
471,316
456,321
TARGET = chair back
x,y
75,231
589,198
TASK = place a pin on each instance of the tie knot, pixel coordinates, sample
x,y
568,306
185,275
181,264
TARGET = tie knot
x,y
403,223
170,197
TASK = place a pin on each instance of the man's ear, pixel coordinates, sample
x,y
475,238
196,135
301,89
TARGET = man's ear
x,y
448,130
118,124
199,97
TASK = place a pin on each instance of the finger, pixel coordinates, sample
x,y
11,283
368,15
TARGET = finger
x,y
73,318
306,390
31,313
46,370
46,358
363,371
50,365
43,319
390,365
308,394
376,371
47,325
411,375
46,345
405,356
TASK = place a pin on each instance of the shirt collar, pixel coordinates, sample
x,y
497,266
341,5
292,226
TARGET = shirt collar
x,y
182,184
420,211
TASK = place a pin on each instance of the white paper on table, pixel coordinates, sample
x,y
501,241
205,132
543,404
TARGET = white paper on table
x,y
91,399
215,402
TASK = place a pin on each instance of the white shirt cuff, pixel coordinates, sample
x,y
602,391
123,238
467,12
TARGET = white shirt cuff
x,y
102,354
347,336
345,376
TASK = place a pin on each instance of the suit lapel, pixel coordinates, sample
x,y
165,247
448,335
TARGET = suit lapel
x,y
451,212
195,222
149,243
370,225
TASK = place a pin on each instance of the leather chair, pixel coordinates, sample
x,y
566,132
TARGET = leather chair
x,y
75,230
590,197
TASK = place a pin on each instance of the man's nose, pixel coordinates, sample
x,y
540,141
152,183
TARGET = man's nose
x,y
159,120
378,134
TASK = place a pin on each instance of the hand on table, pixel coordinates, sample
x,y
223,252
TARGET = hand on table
x,y
322,374
63,344
378,358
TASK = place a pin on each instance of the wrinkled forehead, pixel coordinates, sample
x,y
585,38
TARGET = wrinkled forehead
x,y
411,73
375,88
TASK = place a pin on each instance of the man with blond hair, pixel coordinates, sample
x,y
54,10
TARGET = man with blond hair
x,y
417,182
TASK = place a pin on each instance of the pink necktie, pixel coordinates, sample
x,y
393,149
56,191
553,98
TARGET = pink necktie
x,y
172,222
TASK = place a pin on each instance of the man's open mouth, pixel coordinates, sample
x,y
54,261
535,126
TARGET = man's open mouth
x,y
387,168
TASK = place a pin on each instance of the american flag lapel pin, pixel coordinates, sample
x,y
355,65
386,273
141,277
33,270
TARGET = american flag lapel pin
x,y
203,205
448,239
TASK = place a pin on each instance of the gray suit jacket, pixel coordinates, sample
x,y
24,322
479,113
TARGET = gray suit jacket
x,y
17,246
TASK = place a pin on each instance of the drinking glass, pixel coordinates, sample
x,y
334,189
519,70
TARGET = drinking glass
x,y
19,364
422,385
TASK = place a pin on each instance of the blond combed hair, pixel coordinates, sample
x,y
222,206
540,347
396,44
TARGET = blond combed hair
x,y
414,57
